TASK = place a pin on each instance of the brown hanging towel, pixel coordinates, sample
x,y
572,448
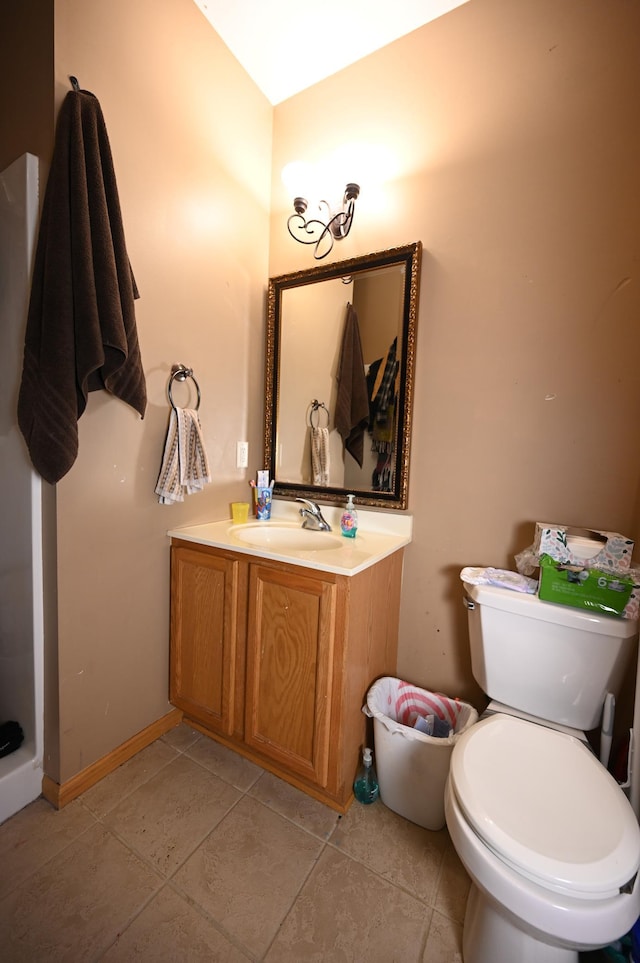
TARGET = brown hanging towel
x,y
352,403
81,329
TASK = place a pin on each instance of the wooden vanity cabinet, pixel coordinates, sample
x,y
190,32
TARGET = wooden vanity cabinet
x,y
290,647
275,660
207,593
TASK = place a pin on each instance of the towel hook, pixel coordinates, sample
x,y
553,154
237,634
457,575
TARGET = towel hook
x,y
315,406
75,84
180,372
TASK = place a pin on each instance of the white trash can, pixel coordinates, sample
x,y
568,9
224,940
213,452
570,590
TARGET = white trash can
x,y
412,767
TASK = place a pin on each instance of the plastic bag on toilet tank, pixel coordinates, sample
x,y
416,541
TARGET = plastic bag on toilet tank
x,y
499,577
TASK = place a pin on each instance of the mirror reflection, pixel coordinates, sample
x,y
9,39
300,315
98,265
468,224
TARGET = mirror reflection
x,y
339,386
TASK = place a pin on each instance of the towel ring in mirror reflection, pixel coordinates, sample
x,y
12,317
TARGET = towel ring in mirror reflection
x,y
180,372
315,408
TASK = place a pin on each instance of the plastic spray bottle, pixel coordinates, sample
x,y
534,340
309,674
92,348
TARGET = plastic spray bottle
x,y
365,787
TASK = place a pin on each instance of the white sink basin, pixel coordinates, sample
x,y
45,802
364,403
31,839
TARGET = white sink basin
x,y
285,537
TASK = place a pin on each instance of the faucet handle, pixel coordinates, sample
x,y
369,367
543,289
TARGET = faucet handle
x,y
311,506
311,510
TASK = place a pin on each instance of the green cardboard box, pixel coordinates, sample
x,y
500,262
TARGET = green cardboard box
x,y
583,588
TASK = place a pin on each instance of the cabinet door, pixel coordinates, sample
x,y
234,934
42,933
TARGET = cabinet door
x,y
204,591
290,650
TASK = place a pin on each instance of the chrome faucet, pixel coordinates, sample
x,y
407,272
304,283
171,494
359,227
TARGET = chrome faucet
x,y
312,516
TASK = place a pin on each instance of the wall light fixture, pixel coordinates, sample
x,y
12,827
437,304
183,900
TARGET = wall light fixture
x,y
330,225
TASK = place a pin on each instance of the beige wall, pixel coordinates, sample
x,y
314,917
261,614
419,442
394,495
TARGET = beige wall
x,y
512,148
191,141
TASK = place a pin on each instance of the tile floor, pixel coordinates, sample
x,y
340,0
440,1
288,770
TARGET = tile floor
x,y
189,852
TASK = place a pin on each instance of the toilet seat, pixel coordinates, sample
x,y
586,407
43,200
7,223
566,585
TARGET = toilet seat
x,y
543,804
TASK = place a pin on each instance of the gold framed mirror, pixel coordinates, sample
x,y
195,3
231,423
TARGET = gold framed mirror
x,y
340,357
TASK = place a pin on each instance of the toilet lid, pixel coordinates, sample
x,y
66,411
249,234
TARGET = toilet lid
x,y
546,806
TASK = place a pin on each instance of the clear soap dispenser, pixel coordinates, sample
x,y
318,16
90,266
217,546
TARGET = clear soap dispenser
x,y
365,787
349,520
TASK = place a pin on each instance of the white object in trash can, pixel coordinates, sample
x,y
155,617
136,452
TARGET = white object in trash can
x,y
412,767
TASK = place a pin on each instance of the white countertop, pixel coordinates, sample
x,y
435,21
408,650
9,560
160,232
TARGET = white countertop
x,y
379,535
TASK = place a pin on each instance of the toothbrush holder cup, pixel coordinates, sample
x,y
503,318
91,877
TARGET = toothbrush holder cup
x,y
262,497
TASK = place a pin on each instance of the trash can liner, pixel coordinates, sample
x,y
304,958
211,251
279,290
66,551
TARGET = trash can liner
x,y
412,766
397,705
411,703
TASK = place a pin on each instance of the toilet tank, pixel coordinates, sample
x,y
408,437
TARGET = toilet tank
x,y
552,661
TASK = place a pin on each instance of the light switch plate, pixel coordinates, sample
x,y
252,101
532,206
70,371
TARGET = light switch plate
x,y
242,454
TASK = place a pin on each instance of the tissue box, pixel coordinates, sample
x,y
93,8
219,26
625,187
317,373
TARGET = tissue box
x,y
632,608
575,547
584,588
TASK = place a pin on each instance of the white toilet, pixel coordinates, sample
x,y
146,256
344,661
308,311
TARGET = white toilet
x,y
549,839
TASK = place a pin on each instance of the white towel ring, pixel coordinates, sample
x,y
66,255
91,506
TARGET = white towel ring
x,y
180,372
315,407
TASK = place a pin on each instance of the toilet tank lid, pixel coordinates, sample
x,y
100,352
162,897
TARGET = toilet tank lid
x,y
533,607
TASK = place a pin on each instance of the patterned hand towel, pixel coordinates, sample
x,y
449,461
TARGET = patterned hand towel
x,y
320,455
184,464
